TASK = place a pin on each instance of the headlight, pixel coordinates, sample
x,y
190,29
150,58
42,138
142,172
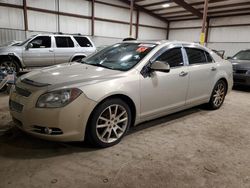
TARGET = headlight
x,y
59,98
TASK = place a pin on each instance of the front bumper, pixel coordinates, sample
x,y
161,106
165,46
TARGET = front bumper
x,y
241,79
71,120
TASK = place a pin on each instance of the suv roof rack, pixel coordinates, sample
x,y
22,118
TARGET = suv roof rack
x,y
61,33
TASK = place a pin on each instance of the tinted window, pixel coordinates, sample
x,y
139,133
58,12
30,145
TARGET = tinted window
x,y
64,42
41,42
173,57
83,41
196,56
209,58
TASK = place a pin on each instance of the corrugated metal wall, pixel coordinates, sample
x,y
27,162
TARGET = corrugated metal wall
x,y
231,39
106,32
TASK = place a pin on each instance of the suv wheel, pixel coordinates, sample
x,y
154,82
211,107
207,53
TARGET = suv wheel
x,y
109,123
9,64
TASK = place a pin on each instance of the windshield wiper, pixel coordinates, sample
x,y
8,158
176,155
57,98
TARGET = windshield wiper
x,y
100,65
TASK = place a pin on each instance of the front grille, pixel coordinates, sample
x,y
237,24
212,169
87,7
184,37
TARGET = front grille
x,y
42,130
22,92
239,80
241,71
14,106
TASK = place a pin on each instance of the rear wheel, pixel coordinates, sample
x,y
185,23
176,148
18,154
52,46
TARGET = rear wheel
x,y
109,123
9,64
218,95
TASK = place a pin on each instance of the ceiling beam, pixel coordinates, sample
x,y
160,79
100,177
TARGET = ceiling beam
x,y
209,8
145,10
157,3
189,8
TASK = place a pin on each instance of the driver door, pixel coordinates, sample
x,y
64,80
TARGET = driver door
x,y
39,52
163,91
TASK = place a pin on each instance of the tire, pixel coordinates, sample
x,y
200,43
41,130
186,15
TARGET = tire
x,y
7,63
104,128
218,95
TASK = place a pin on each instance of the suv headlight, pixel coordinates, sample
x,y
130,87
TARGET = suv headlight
x,y
59,98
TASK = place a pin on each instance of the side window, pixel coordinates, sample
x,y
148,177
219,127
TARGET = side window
x,y
41,42
196,56
64,42
83,41
209,58
173,57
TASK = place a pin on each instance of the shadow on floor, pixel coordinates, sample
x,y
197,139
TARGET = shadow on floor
x,y
16,144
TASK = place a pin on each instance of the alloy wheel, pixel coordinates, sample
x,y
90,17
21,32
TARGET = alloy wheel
x,y
112,123
8,65
219,94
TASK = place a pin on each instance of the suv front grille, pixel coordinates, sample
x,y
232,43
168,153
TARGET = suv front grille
x,y
22,92
241,71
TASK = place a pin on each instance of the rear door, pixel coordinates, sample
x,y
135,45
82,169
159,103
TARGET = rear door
x,y
202,70
40,53
64,50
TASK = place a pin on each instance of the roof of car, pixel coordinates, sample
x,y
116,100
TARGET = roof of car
x,y
162,42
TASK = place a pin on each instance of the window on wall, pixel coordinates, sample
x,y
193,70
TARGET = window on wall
x,y
173,57
196,56
64,42
41,42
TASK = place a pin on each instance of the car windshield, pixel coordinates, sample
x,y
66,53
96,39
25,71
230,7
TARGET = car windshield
x,y
242,55
121,56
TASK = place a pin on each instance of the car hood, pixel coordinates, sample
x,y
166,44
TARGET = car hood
x,y
10,49
240,64
68,74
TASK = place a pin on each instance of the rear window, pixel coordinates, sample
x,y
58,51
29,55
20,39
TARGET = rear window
x,y
83,41
196,56
64,42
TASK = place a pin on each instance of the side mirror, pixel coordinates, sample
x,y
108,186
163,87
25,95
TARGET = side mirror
x,y
29,45
160,66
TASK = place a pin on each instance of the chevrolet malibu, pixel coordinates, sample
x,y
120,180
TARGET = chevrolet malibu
x,y
118,87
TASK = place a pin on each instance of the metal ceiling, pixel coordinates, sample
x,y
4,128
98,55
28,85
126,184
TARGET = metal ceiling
x,y
193,9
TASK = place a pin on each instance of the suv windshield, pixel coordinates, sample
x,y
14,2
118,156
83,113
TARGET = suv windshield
x,y
22,43
122,56
242,55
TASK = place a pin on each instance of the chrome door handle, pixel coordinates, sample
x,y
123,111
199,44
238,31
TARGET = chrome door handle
x,y
51,50
183,73
213,69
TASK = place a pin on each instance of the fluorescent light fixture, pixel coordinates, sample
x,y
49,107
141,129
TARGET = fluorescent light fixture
x,y
166,5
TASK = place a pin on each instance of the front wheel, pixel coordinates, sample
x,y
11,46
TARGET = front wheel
x,y
218,95
9,64
109,123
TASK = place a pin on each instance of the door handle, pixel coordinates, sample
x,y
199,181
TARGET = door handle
x,y
213,69
51,50
183,73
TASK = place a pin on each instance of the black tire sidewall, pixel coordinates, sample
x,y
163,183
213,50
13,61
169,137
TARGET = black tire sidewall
x,y
211,103
91,129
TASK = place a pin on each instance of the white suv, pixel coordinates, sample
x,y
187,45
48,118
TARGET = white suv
x,y
45,50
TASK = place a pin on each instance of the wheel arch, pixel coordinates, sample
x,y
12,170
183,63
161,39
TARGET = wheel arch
x,y
77,55
123,97
226,82
16,58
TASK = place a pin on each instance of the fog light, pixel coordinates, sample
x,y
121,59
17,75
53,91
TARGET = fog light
x,y
47,130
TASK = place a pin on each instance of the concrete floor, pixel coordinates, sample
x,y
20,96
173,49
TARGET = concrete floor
x,y
193,148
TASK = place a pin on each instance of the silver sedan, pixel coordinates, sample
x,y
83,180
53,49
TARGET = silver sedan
x,y
118,87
